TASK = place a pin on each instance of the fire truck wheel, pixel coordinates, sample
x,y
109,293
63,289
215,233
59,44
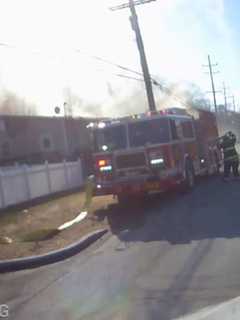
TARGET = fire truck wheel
x,y
190,176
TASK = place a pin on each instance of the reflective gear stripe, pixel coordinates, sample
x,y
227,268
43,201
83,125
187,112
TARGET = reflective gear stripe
x,y
228,149
235,157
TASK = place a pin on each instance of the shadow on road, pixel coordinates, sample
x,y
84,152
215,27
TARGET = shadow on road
x,y
211,211
130,217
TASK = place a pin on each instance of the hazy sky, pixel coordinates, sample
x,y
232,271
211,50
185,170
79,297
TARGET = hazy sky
x,y
54,41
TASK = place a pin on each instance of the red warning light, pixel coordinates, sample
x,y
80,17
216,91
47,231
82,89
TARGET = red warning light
x,y
102,163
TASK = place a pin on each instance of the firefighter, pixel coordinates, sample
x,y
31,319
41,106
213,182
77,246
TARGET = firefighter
x,y
217,158
231,160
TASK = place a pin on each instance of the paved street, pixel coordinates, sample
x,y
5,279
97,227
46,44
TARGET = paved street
x,y
173,255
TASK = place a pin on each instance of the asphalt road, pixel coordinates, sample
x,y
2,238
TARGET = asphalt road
x,y
170,256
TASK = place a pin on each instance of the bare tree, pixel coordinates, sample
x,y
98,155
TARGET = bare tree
x,y
195,98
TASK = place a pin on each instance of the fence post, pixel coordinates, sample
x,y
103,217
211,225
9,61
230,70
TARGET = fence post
x,y
65,168
25,174
1,189
48,176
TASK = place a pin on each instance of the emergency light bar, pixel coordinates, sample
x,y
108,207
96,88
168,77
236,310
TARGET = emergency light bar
x,y
105,123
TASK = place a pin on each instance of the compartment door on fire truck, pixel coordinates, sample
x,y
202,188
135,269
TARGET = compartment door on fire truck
x,y
176,144
189,142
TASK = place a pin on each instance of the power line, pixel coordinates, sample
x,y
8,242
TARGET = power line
x,y
120,75
110,62
12,46
117,65
128,77
95,57
126,5
154,81
6,45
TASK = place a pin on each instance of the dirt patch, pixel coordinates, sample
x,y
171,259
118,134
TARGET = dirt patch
x,y
50,215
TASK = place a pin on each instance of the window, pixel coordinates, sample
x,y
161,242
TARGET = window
x,y
148,132
174,130
111,138
187,129
179,128
46,143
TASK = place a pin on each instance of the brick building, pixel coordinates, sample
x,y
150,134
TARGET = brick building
x,y
26,139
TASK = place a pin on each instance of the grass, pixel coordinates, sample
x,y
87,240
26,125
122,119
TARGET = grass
x,y
34,230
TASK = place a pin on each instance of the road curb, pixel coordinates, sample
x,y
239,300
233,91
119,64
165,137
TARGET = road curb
x,y
51,257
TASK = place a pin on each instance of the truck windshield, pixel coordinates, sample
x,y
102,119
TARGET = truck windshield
x,y
149,132
111,138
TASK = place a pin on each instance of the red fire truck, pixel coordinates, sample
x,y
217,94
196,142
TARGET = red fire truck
x,y
154,152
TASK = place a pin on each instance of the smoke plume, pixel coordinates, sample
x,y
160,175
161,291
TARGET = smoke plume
x,y
134,100
79,107
11,104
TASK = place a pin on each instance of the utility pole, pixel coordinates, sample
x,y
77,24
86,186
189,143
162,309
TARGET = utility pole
x,y
225,96
64,127
210,66
143,59
233,102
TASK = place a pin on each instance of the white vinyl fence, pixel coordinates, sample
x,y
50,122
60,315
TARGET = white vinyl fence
x,y
24,183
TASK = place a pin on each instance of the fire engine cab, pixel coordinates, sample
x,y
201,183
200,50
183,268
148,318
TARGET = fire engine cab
x,y
153,152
